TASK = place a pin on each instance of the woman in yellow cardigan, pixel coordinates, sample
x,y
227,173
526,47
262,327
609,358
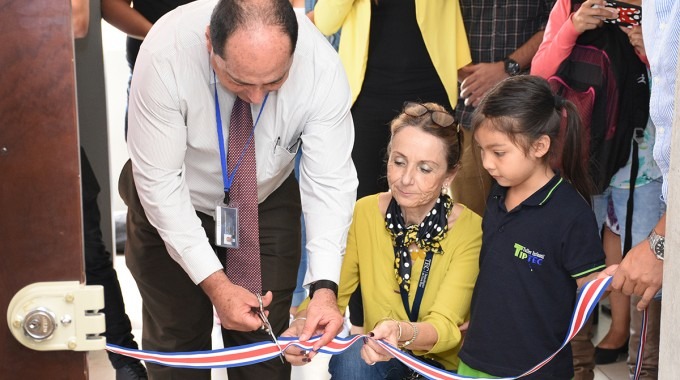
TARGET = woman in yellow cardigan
x,y
413,250
392,50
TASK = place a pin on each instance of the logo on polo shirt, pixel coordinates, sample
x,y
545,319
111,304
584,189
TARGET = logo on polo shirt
x,y
530,256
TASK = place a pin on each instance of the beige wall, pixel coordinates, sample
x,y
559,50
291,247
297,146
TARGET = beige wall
x,y
669,361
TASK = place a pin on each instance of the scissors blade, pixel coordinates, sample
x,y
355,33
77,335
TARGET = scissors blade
x,y
276,341
268,327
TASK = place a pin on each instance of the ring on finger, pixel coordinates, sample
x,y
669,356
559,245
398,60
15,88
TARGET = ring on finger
x,y
372,363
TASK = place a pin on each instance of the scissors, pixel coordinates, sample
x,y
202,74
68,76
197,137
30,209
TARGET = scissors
x,y
266,326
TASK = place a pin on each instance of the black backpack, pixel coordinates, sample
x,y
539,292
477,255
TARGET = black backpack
x,y
609,85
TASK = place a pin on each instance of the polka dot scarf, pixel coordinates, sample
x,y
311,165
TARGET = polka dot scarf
x,y
426,235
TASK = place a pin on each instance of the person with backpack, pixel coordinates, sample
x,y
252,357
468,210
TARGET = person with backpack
x,y
629,178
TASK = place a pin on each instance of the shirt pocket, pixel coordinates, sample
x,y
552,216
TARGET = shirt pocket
x,y
283,155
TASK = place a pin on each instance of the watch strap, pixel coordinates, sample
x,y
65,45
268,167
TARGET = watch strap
x,y
657,244
323,284
511,66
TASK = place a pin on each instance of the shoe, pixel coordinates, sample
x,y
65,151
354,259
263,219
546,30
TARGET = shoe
x,y
610,355
132,371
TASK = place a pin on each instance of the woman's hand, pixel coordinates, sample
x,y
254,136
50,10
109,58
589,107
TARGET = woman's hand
x,y
387,330
295,355
591,15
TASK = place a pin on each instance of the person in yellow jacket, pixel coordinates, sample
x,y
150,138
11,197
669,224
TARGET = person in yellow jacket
x,y
415,253
392,51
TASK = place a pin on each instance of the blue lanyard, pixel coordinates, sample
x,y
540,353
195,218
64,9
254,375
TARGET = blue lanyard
x,y
424,273
228,178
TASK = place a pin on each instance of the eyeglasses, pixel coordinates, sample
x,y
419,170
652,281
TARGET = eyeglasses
x,y
441,118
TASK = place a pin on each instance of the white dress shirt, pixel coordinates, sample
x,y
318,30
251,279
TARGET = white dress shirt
x,y
661,34
173,145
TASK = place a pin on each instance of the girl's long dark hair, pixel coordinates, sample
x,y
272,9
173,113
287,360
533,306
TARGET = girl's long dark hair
x,y
525,108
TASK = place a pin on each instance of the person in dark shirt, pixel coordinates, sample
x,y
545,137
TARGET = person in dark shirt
x,y
540,239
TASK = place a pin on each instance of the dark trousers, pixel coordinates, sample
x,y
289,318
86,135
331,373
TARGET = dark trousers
x,y
99,268
177,314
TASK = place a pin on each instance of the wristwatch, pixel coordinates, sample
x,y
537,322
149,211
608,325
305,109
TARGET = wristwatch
x,y
656,243
511,66
323,284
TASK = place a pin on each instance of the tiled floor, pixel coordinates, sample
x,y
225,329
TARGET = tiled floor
x,y
100,369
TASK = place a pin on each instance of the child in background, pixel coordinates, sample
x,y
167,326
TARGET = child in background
x,y
540,239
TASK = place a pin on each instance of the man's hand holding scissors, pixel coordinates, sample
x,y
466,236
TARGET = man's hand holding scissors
x,y
234,304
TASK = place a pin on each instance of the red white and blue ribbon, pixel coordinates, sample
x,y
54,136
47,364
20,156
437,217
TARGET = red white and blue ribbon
x,y
641,346
234,356
263,351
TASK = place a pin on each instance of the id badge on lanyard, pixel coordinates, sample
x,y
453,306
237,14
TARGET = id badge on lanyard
x,y
226,226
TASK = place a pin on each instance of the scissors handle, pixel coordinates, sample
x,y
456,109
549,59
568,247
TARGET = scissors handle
x,y
260,312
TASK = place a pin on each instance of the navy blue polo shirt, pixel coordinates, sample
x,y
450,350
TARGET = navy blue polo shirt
x,y
525,293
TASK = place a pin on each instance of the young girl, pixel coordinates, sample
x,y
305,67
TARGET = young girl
x,y
540,239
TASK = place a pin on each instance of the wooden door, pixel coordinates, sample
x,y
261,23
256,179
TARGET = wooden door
x,y
40,212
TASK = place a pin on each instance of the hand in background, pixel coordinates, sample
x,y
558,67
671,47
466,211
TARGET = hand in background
x,y
479,79
80,17
635,38
591,15
128,20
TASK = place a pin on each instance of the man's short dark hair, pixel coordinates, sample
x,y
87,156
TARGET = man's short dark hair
x,y
231,15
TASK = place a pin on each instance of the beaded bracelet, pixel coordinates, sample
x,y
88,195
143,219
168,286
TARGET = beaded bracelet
x,y
415,334
393,320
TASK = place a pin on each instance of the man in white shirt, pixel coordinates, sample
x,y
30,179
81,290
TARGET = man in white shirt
x,y
255,50
641,270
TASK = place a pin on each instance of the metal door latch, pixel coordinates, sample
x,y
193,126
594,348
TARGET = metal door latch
x,y
50,316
